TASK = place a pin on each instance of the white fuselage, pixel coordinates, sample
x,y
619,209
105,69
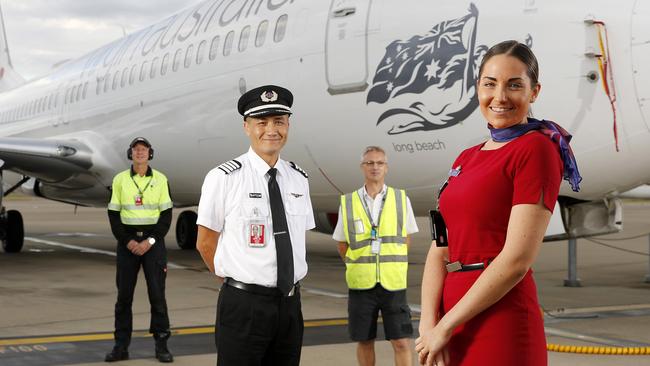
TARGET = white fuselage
x,y
329,62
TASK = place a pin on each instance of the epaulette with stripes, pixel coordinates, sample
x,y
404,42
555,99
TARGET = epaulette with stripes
x,y
298,169
230,166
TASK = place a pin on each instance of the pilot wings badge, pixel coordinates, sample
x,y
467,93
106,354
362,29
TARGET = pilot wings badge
x,y
431,76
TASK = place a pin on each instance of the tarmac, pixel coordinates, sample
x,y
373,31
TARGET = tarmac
x,y
57,296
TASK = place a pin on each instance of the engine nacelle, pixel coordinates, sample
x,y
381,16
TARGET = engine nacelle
x,y
325,221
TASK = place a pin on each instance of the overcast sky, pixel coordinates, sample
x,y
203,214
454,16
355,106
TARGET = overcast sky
x,y
42,33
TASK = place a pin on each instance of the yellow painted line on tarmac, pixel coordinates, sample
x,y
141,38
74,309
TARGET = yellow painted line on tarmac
x,y
141,334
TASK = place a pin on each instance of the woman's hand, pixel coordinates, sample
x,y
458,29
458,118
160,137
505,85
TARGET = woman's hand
x,y
431,346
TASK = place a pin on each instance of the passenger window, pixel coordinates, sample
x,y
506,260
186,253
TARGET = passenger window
x,y
134,69
214,48
116,79
260,37
227,44
125,76
154,68
189,54
243,38
280,28
107,82
177,60
200,52
163,65
143,70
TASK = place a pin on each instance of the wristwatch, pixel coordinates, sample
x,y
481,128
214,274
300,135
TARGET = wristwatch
x,y
151,241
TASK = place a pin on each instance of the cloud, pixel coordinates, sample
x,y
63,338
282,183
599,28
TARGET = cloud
x,y
42,33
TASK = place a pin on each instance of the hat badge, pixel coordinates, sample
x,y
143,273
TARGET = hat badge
x,y
269,96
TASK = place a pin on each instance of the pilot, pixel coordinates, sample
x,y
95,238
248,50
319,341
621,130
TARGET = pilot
x,y
373,228
140,214
260,192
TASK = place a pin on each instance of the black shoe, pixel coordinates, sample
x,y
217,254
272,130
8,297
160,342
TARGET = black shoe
x,y
162,352
117,354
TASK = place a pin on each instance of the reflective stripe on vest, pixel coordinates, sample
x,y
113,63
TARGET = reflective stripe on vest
x,y
155,198
364,269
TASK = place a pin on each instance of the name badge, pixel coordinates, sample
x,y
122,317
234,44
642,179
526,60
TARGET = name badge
x,y
138,200
375,246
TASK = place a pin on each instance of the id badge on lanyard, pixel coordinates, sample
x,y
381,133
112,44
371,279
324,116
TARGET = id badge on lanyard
x,y
138,199
375,241
255,230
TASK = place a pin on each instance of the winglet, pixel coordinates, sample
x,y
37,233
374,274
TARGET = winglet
x,y
9,78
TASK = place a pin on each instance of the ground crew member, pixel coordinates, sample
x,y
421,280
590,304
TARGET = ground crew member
x,y
253,214
373,231
140,214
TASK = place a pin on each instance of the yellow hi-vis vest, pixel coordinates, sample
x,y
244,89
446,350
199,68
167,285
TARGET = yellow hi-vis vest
x,y
389,268
155,198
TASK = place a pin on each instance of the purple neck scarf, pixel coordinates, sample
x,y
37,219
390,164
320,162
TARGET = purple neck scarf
x,y
556,133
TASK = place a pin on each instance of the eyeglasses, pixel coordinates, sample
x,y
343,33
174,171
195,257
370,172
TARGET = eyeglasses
x,y
370,163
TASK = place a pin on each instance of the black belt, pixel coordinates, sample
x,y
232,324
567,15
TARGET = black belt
x,y
260,290
459,267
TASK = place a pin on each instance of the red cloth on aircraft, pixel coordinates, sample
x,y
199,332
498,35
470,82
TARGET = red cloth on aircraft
x,y
476,207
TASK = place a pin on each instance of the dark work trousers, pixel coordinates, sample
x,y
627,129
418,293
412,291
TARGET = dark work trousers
x,y
258,330
154,264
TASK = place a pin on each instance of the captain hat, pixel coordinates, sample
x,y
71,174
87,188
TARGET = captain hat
x,y
267,100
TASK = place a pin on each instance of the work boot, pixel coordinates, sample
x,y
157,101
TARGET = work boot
x,y
162,352
117,354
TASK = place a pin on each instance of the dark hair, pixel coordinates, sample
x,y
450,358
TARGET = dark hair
x,y
518,50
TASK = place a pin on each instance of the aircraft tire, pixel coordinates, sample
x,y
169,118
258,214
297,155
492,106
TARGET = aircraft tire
x,y
13,241
186,230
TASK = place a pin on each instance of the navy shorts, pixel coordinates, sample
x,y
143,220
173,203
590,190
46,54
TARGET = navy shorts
x,y
363,310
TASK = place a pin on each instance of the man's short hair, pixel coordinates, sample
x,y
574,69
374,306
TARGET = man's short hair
x,y
372,148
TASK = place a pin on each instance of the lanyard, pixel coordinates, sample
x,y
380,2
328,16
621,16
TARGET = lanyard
x,y
369,213
141,191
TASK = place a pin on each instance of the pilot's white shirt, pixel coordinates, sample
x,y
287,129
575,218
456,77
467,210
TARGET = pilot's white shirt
x,y
228,200
375,206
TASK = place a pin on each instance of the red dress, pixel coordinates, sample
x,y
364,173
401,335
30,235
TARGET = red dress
x,y
476,207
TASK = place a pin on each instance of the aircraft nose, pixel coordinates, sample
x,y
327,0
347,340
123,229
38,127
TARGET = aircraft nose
x,y
640,50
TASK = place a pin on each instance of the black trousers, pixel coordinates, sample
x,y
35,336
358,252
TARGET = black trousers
x,y
256,330
154,265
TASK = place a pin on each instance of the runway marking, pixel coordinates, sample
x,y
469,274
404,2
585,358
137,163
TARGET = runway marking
x,y
416,308
88,250
592,339
142,334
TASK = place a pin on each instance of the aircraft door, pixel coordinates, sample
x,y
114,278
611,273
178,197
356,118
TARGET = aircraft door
x,y
641,56
346,46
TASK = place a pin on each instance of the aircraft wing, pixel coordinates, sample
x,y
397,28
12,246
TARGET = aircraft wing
x,y
48,160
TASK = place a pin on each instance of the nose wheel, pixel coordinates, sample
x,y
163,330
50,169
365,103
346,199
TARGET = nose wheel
x,y
186,230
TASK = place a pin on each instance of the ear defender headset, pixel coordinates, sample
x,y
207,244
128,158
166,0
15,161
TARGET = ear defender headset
x,y
129,153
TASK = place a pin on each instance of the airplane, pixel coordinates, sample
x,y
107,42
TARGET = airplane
x,y
398,74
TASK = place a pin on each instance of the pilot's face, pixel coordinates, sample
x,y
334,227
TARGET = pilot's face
x,y
374,166
505,91
140,153
267,134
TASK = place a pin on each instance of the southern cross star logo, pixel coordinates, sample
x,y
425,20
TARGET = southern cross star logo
x,y
432,77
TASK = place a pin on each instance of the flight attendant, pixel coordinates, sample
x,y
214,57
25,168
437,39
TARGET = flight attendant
x,y
253,214
479,300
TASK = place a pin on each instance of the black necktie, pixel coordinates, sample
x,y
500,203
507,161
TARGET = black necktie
x,y
281,234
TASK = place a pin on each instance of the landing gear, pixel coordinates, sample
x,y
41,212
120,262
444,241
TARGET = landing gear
x,y
12,231
186,230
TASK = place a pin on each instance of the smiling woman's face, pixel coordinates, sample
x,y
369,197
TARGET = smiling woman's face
x,y
505,91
